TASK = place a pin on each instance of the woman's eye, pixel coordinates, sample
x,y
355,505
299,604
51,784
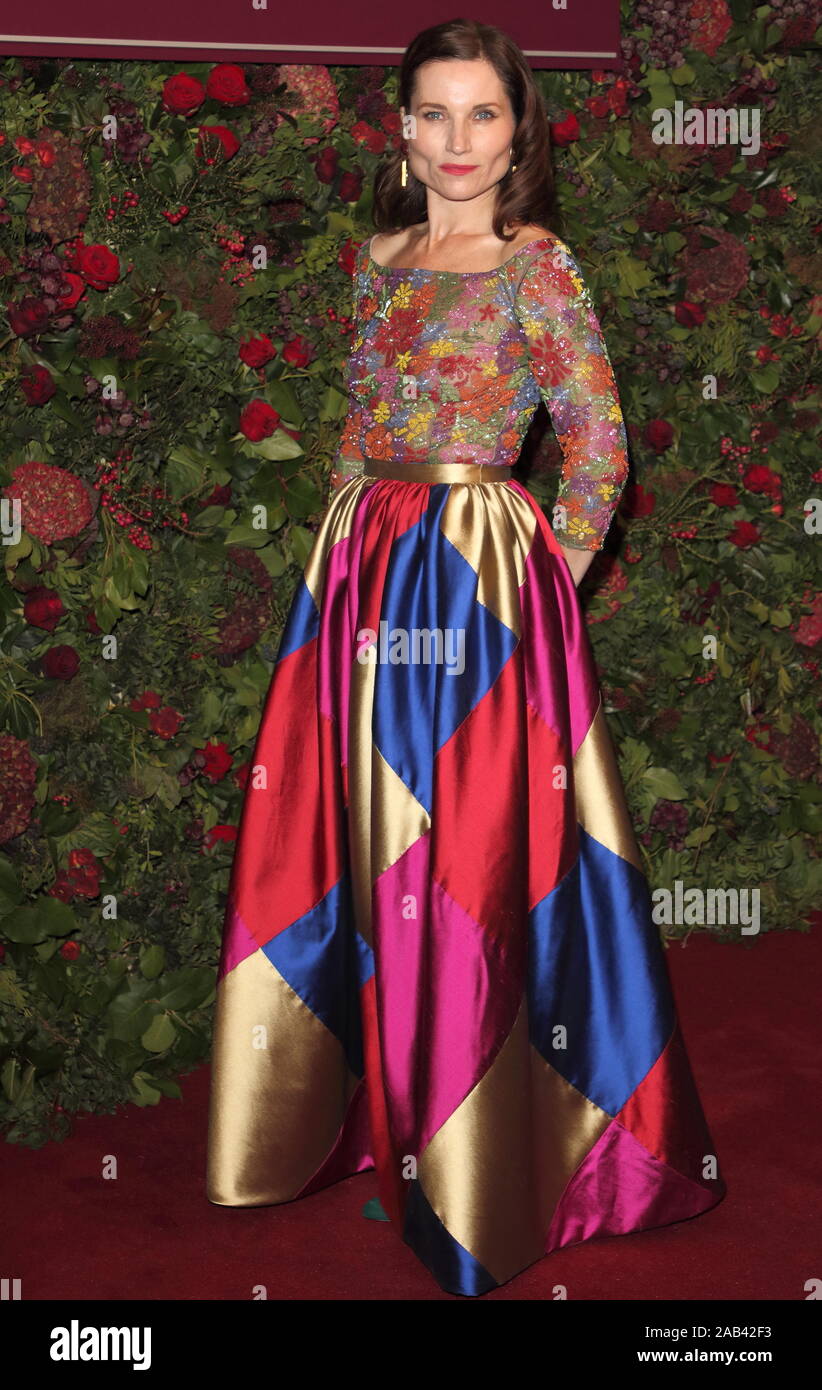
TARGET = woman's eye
x,y
427,114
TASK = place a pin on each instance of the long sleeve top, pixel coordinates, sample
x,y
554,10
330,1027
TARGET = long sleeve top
x,y
449,367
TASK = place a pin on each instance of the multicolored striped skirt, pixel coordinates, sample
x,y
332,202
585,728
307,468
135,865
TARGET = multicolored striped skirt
x,y
439,959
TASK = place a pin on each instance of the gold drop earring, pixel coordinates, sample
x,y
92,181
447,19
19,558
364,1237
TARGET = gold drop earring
x,y
513,166
404,172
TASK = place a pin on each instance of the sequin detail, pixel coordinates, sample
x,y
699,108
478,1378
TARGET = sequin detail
x,y
447,368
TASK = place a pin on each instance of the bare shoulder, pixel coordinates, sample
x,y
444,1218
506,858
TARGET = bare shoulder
x,y
528,233
386,247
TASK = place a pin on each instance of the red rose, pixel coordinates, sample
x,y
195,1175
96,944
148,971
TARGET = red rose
x,y
618,97
638,502
325,166
258,420
43,608
213,138
226,83
350,187
809,628
659,435
148,700
598,106
688,314
45,153
218,761
28,317
165,721
23,144
61,663
255,352
347,258
70,950
298,353
565,132
61,887
219,832
759,478
84,872
723,495
98,266
182,94
365,134
24,174
73,290
744,534
37,385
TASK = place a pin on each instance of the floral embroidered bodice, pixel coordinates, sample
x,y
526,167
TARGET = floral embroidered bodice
x,y
449,367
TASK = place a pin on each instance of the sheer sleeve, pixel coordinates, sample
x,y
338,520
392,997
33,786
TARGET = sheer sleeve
x,y
348,460
570,363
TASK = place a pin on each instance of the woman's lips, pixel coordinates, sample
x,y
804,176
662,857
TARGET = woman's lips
x,y
458,168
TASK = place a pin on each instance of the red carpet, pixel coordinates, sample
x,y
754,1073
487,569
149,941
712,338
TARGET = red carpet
x,y
751,1020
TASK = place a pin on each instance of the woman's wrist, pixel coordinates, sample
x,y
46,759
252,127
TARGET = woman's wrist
x,y
578,560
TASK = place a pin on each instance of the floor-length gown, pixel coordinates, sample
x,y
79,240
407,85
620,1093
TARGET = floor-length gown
x,y
439,958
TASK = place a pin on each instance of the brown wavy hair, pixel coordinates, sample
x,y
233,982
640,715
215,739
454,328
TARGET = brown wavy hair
x,y
524,196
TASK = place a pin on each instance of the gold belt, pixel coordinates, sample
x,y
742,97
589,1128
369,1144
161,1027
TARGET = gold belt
x,y
437,472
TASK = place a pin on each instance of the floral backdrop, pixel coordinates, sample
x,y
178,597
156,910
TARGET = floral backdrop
x,y
175,261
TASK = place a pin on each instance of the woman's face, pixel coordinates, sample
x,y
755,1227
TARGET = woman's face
x,y
459,140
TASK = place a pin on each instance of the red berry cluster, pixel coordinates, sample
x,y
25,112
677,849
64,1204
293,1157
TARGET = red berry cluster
x,y
234,243
175,217
130,200
728,449
345,321
112,478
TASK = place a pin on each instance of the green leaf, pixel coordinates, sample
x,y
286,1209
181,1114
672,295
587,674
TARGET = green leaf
x,y
144,1093
662,782
167,1086
159,1035
185,471
65,412
280,395
130,1013
302,543
302,497
251,536
187,988
47,917
766,379
683,75
781,617
278,446
152,961
661,91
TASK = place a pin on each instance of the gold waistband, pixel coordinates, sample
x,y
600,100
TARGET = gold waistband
x,y
437,472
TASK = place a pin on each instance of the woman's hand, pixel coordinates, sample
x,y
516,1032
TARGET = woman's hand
x,y
578,560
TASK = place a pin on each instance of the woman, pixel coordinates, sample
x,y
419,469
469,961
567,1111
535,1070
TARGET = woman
x,y
439,958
